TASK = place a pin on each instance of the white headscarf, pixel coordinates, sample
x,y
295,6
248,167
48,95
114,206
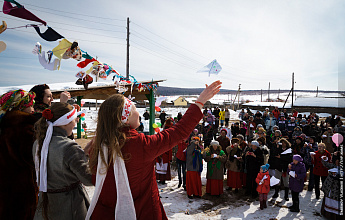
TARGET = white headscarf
x,y
41,169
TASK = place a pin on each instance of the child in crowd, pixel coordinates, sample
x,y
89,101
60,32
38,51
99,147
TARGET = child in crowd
x,y
297,174
61,166
263,181
194,169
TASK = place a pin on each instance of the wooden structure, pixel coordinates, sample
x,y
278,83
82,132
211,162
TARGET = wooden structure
x,y
103,92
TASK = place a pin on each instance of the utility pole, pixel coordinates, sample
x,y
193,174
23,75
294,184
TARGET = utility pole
x,y
261,95
293,83
239,92
96,81
127,61
317,90
269,86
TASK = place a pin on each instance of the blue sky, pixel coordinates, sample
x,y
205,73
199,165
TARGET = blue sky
x,y
255,42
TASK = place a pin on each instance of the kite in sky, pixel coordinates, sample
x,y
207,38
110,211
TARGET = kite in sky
x,y
211,68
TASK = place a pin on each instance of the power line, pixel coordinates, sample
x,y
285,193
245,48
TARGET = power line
x,y
161,56
73,37
168,49
168,40
114,19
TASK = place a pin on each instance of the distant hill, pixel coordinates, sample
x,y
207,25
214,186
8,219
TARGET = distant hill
x,y
171,91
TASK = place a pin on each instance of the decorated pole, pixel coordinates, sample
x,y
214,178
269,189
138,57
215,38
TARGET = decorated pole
x,y
151,99
79,122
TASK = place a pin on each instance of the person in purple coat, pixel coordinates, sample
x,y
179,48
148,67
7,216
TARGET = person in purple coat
x,y
296,181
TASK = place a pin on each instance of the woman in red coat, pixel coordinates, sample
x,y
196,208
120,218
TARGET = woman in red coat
x,y
134,194
263,181
319,170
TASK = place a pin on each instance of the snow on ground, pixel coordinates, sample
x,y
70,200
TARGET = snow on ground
x,y
230,205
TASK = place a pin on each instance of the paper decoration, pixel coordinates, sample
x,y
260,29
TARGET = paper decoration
x,y
274,181
73,52
292,173
86,62
19,11
212,68
80,74
288,151
60,49
325,158
47,64
312,153
49,34
2,46
3,27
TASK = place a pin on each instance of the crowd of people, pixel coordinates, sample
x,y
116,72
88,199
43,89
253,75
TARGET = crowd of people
x,y
45,170
248,153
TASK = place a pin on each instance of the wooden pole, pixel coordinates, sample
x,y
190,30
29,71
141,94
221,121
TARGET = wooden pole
x,y
79,122
261,95
151,99
269,86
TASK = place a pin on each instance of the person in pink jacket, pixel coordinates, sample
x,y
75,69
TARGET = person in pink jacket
x,y
122,160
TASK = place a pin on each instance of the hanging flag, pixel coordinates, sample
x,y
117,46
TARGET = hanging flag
x,y
19,11
49,34
211,68
60,49
3,27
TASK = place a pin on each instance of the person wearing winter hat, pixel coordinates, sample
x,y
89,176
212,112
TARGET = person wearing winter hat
x,y
194,168
297,173
234,165
224,142
19,190
307,150
282,157
215,158
254,158
263,181
320,172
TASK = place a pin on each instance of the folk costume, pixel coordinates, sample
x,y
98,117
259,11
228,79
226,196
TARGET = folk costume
x,y
215,166
194,169
136,185
18,195
234,179
66,165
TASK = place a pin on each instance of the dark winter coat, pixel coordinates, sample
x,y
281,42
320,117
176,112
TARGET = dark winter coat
x,y
296,184
283,162
253,163
306,153
332,183
272,160
18,194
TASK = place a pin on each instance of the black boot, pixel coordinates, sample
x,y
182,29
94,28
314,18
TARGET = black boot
x,y
276,192
261,205
296,207
286,196
265,204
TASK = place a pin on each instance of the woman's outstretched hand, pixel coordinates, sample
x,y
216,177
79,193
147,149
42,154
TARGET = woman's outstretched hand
x,y
208,93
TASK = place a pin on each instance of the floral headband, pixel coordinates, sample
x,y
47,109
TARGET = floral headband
x,y
127,107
